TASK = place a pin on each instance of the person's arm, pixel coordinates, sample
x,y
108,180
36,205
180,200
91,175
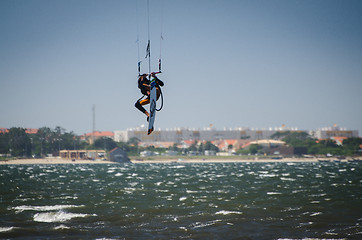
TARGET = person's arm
x,y
159,82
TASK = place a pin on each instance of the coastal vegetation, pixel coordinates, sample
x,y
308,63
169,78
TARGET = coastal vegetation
x,y
16,142
305,144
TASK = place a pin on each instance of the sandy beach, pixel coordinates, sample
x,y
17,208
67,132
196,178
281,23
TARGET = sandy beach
x,y
52,161
180,159
241,160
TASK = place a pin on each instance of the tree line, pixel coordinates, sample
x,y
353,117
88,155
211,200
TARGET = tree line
x,y
306,144
16,142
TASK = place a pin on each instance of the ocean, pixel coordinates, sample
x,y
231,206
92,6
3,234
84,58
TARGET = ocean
x,y
317,200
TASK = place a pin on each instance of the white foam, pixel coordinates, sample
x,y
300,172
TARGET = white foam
x,y
183,198
178,166
44,208
287,179
315,214
223,212
59,216
268,175
6,229
61,227
201,225
273,193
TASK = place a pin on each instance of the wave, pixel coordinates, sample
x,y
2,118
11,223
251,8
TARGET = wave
x,y
20,209
6,229
273,193
61,227
59,216
223,212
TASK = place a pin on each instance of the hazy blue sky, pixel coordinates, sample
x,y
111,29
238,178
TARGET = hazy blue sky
x,y
256,64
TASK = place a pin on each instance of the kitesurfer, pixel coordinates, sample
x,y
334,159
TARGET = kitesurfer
x,y
144,86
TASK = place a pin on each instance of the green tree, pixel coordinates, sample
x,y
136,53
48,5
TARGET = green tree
x,y
4,143
352,145
105,143
174,147
42,141
19,142
254,148
201,148
193,147
211,147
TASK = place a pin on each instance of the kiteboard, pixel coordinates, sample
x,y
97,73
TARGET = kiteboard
x,y
153,99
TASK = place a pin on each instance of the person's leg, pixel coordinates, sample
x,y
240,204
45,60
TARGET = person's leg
x,y
139,105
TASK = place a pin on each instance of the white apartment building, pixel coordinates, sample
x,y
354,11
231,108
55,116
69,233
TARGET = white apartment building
x,y
209,134
335,131
180,134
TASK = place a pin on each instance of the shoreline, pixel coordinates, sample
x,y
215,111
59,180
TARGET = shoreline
x,y
210,160
236,159
51,161
180,159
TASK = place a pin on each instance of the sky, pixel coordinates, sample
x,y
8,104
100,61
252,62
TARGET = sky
x,y
230,63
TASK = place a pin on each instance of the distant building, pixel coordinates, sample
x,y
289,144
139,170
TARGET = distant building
x,y
179,135
82,154
31,130
146,153
90,137
27,130
118,155
332,132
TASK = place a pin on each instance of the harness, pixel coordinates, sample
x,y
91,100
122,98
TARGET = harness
x,y
144,91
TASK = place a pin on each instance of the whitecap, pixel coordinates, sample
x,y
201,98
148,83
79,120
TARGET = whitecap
x,y
61,227
118,174
224,212
191,191
201,225
178,166
268,175
273,193
182,199
6,229
287,179
43,208
106,238
59,216
304,224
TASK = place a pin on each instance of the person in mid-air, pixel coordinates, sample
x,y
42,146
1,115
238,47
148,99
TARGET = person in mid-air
x,y
144,86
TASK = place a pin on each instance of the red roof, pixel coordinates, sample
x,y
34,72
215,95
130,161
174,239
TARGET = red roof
x,y
4,130
339,140
27,130
31,131
100,134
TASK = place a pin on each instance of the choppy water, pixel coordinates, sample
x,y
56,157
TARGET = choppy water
x,y
176,201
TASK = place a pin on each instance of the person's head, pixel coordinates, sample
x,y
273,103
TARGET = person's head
x,y
143,76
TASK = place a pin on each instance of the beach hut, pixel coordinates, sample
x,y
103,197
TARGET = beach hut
x,y
118,155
